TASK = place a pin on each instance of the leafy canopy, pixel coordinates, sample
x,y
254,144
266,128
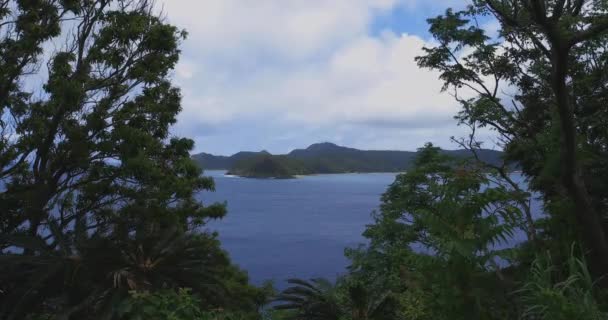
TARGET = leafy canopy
x,y
97,197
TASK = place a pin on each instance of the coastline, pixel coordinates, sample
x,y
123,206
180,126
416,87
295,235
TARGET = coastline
x,y
299,176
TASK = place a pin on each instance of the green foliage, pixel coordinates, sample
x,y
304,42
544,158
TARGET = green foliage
x,y
98,276
269,166
271,314
553,54
97,197
318,299
436,244
435,241
549,294
435,247
315,300
171,305
99,216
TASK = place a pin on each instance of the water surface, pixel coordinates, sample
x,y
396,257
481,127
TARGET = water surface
x,y
277,229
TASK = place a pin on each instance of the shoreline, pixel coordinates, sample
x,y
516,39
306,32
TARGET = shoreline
x,y
232,175
299,176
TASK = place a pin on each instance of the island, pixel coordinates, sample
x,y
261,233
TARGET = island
x,y
267,166
322,158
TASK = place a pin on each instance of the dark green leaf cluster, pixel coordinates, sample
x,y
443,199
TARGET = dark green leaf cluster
x,y
553,54
97,198
436,240
318,299
181,305
269,166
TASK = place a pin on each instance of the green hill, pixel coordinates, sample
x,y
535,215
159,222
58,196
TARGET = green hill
x,y
213,162
331,158
265,165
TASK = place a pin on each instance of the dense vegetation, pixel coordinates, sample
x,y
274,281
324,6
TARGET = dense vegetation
x,y
441,245
96,198
268,166
99,219
324,158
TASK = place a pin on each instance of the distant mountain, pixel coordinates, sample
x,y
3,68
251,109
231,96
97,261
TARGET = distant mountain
x,y
212,162
330,158
322,158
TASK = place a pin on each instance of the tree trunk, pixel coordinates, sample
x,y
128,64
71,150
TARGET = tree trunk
x,y
587,216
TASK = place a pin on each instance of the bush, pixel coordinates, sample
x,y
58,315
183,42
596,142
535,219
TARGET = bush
x,y
172,305
551,296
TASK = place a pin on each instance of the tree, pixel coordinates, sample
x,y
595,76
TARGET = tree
x,y
541,86
315,300
97,196
553,54
441,240
99,273
349,298
181,305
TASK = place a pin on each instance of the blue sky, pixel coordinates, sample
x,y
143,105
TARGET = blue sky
x,y
282,74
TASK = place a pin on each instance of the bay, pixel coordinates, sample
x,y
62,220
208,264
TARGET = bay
x,y
278,229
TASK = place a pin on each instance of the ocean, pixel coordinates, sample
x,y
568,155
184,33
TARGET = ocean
x,y
279,229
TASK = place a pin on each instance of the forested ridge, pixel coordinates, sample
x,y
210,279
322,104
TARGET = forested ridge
x,y
99,218
323,158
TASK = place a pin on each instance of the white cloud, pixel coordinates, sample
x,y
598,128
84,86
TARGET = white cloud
x,y
367,80
292,28
310,63
186,70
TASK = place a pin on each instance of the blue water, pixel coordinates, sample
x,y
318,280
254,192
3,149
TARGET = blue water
x,y
277,229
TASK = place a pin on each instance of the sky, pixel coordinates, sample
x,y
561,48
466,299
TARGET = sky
x,y
282,74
